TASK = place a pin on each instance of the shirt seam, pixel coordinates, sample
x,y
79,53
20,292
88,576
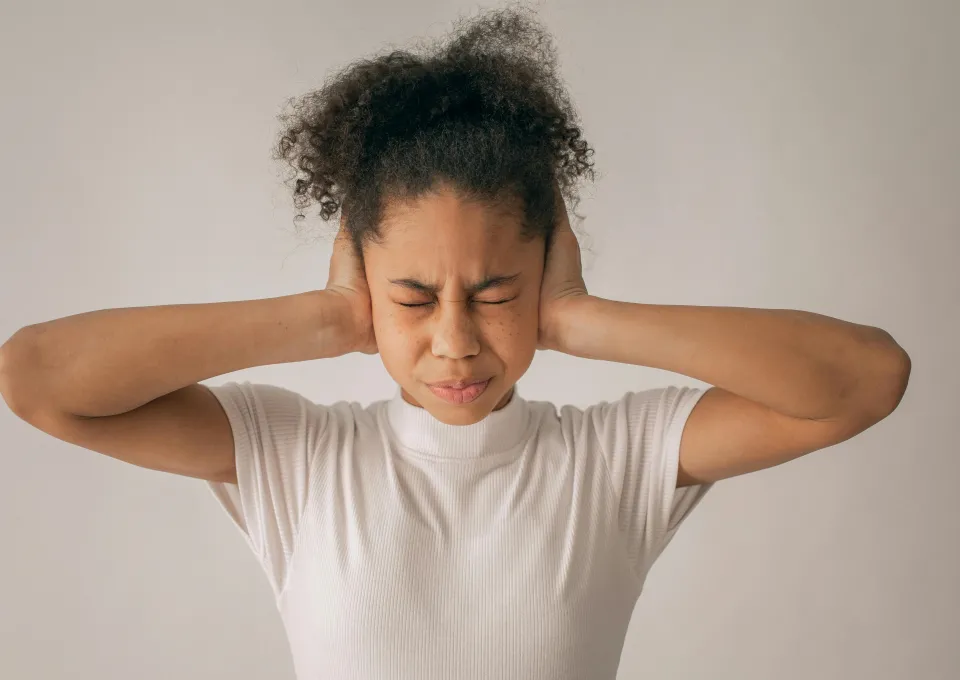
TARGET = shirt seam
x,y
307,505
621,538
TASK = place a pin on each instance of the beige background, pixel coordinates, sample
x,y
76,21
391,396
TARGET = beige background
x,y
765,154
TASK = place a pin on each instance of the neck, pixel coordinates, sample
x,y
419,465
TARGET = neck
x,y
500,431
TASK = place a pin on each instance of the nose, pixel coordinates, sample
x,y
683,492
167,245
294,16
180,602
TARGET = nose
x,y
455,333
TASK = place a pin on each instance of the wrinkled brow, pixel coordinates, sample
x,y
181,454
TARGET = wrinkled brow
x,y
489,282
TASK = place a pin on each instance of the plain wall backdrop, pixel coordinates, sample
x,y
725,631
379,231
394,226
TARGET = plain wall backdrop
x,y
790,154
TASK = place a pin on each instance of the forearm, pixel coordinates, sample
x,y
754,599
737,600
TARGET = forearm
x,y
798,363
111,361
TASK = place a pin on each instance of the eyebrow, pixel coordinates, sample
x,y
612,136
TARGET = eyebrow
x,y
489,282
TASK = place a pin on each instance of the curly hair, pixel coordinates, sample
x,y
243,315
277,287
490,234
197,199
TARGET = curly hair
x,y
483,110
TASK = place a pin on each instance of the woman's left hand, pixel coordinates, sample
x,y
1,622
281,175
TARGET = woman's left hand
x,y
563,284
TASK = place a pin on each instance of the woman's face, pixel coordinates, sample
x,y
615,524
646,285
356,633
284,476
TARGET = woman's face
x,y
455,295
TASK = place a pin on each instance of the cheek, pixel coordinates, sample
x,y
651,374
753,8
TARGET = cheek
x,y
512,332
396,335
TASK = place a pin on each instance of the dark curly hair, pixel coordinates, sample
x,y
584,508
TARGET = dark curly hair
x,y
483,110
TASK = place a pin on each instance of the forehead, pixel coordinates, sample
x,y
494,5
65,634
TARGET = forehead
x,y
442,234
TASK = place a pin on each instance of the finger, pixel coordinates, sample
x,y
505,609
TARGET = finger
x,y
343,238
562,222
342,228
345,249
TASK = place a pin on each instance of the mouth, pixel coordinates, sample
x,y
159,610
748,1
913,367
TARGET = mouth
x,y
459,391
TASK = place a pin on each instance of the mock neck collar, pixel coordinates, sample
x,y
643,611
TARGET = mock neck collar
x,y
416,429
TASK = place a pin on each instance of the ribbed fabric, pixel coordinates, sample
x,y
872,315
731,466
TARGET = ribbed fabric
x,y
401,547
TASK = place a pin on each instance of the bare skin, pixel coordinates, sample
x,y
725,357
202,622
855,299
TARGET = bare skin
x,y
451,292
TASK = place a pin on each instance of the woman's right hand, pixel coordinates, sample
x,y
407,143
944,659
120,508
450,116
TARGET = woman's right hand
x,y
348,281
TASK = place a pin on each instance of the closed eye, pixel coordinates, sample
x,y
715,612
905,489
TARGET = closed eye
x,y
482,302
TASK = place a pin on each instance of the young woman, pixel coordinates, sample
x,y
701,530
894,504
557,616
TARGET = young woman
x,y
455,530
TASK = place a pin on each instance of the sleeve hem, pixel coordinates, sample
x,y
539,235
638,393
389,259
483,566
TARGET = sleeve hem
x,y
231,496
689,495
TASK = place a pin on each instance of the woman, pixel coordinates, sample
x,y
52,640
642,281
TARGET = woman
x,y
455,530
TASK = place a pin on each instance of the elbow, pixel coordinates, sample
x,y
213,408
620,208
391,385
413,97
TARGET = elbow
x,y
901,377
893,376
16,357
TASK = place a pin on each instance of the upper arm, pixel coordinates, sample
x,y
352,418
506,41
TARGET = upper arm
x,y
728,435
185,432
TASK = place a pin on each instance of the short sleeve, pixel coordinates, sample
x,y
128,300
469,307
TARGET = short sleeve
x,y
639,438
277,435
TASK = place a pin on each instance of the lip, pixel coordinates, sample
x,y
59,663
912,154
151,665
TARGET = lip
x,y
460,391
458,383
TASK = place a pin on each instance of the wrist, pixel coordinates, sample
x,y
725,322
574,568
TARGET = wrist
x,y
334,332
564,327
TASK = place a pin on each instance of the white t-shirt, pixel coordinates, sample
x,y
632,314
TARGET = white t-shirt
x,y
402,548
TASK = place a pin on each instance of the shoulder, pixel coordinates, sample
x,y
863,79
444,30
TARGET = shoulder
x,y
634,414
630,402
267,405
